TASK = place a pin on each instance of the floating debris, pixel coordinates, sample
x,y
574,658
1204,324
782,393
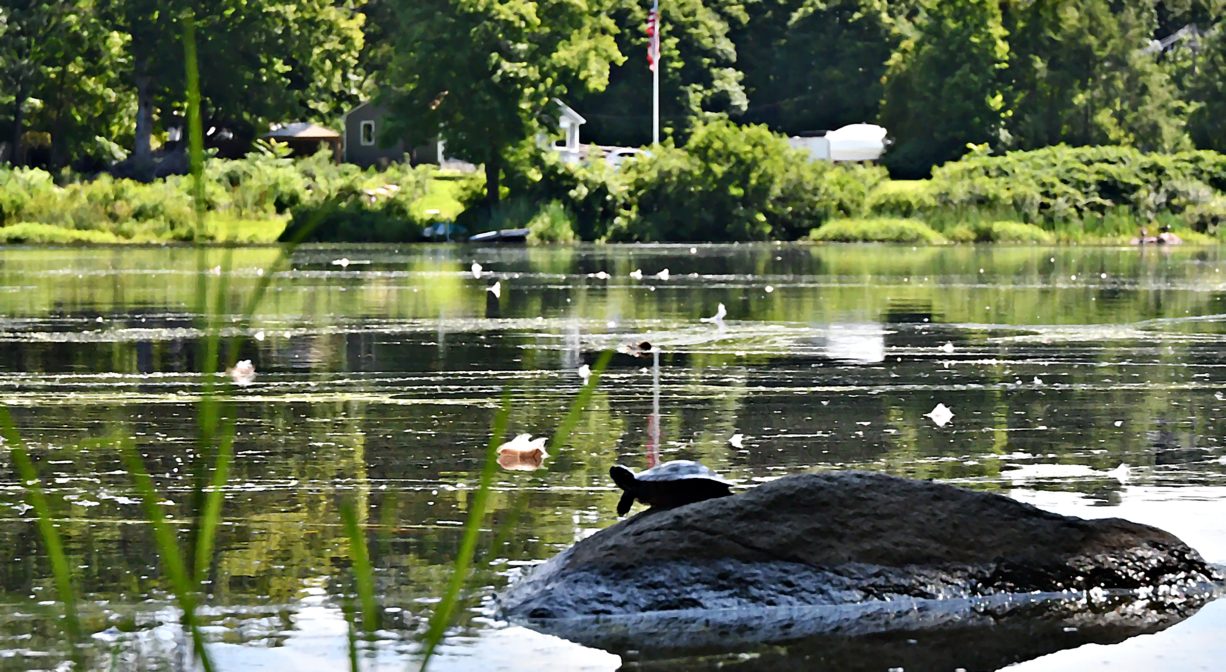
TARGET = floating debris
x,y
637,274
941,415
718,317
663,275
523,453
476,269
343,262
242,373
948,348
737,440
495,289
585,372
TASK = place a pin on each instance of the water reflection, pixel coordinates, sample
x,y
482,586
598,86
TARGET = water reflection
x,y
380,380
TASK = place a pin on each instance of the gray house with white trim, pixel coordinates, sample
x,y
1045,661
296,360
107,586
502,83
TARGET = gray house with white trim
x,y
364,124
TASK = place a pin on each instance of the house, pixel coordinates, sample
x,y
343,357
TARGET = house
x,y
364,123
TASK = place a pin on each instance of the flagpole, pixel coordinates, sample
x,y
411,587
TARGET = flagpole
x,y
655,77
655,99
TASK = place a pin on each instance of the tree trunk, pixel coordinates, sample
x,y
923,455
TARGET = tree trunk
x,y
493,176
17,155
142,152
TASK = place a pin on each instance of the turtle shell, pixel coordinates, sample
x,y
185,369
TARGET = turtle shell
x,y
678,470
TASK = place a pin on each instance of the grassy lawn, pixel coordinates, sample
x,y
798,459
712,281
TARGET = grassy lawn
x,y
443,196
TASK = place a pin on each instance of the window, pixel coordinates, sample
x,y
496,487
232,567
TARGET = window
x,y
367,133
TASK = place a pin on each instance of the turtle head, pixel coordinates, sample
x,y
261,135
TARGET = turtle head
x,y
623,477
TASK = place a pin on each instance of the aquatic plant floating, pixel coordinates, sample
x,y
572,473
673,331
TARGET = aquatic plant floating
x,y
495,289
476,269
941,415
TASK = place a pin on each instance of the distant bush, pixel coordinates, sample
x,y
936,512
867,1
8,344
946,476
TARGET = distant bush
x,y
382,215
49,234
736,183
553,223
252,189
1079,183
999,232
881,230
901,198
592,192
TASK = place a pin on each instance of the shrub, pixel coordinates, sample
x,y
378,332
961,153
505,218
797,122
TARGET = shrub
x,y
901,198
49,234
735,183
1079,183
355,216
552,224
880,230
594,193
999,232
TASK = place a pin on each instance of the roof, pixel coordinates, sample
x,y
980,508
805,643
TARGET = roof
x,y
568,113
303,130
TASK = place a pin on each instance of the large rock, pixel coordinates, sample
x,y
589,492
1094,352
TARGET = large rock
x,y
848,552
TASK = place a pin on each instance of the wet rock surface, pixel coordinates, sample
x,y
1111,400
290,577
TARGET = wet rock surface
x,y
850,552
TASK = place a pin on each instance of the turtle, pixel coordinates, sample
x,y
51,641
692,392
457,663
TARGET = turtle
x,y
668,485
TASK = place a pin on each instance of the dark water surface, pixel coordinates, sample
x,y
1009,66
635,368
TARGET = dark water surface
x,y
1086,381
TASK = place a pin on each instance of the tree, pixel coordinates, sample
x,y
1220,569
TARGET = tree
x,y
698,77
1083,73
943,88
1207,89
483,73
826,67
49,52
261,60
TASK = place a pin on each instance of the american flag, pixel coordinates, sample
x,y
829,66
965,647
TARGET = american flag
x,y
653,35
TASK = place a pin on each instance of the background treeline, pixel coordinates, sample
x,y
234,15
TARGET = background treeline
x,y
85,82
1079,118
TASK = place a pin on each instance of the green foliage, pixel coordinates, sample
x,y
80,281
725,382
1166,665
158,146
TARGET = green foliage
x,y
241,198
879,230
1080,76
1000,232
750,184
901,198
595,194
484,73
699,79
553,223
1207,89
354,216
822,65
944,85
1080,183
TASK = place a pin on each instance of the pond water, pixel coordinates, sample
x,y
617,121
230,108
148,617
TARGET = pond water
x,y
1086,381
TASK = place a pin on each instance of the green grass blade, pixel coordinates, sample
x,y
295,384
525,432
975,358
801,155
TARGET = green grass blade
x,y
562,433
167,547
46,528
472,530
363,576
